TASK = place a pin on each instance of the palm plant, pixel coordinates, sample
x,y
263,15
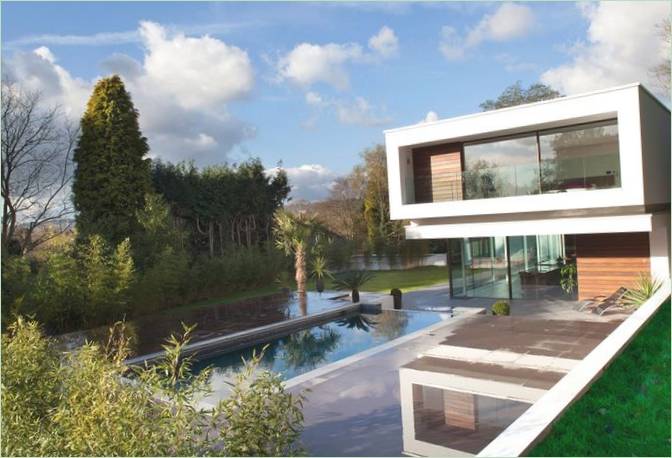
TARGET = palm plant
x,y
645,287
358,321
320,271
353,281
295,235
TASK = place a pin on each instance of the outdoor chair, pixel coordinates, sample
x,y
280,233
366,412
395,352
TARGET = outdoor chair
x,y
602,305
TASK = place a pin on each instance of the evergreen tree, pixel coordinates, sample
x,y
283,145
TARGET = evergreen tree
x,y
112,173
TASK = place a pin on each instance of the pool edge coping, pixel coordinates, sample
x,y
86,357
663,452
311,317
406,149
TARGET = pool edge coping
x,y
314,374
250,336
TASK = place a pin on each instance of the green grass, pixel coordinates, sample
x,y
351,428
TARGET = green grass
x,y
406,280
627,411
383,281
238,296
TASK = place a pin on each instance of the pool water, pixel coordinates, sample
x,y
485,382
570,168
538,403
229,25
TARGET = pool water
x,y
308,349
148,333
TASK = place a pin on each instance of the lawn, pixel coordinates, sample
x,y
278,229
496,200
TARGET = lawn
x,y
627,411
406,280
383,281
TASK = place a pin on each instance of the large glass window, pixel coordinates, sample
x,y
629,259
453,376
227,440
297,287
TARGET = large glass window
x,y
580,157
507,167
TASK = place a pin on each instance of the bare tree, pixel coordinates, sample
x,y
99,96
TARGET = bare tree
x,y
661,72
37,144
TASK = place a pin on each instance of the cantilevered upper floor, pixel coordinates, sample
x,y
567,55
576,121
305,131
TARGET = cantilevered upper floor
x,y
601,153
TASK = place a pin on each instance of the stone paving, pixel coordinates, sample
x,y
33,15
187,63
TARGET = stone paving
x,y
399,400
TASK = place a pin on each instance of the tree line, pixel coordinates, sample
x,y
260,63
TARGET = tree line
x,y
147,234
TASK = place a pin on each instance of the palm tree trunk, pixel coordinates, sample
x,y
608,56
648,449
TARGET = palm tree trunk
x,y
300,268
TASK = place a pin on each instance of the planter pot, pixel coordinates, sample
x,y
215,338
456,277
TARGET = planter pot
x,y
319,285
355,296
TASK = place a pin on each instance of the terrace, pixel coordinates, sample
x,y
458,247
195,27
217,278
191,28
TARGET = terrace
x,y
439,377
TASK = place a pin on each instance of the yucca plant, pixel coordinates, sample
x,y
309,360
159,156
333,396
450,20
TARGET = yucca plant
x,y
353,280
319,272
644,288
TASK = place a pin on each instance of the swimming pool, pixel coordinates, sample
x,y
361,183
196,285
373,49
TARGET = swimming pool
x,y
308,349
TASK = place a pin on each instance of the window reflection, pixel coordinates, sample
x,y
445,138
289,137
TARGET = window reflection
x,y
580,157
502,168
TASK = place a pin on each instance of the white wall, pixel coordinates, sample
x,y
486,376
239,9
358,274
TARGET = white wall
x,y
659,245
621,102
655,126
581,225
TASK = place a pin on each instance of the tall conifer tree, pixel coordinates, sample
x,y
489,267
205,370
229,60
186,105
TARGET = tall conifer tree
x,y
112,172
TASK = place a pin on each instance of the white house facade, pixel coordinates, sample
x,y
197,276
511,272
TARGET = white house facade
x,y
521,191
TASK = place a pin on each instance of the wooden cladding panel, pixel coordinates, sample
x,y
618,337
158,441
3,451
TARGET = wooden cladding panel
x,y
605,262
437,173
460,409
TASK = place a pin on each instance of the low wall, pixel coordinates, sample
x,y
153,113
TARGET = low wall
x,y
384,263
242,339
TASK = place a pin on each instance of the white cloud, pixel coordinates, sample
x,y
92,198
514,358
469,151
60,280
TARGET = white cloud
x,y
621,46
38,71
385,42
123,37
313,98
451,45
509,21
308,63
180,88
198,72
431,116
358,112
309,181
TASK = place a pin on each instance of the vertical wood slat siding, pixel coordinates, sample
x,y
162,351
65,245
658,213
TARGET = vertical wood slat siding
x,y
459,409
605,262
437,173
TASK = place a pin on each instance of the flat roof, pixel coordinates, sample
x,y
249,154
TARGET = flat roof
x,y
526,105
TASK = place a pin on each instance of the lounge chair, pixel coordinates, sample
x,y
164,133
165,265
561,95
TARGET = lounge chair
x,y
608,303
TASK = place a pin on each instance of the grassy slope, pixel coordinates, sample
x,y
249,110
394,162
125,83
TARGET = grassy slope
x,y
405,280
627,411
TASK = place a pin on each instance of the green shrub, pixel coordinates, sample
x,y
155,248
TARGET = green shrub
x,y
644,288
501,308
81,403
77,286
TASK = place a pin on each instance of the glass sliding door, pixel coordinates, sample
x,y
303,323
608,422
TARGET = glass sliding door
x,y
535,265
478,267
520,267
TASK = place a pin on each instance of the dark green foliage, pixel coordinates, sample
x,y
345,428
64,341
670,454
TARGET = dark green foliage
x,y
627,410
517,95
80,404
381,231
352,280
501,308
222,206
80,286
112,173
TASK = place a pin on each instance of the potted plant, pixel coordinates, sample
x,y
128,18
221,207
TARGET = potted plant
x,y
319,272
501,308
353,281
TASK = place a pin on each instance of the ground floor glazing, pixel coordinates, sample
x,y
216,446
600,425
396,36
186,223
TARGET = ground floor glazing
x,y
516,267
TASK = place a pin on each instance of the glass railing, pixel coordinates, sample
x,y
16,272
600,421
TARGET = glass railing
x,y
553,176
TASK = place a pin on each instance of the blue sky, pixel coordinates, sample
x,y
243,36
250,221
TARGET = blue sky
x,y
312,84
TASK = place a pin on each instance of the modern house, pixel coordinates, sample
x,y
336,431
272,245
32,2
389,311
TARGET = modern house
x,y
518,192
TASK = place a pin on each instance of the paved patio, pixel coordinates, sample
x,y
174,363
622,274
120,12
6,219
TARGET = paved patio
x,y
448,391
438,298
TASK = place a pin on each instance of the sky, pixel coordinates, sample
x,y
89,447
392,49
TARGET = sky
x,y
310,85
